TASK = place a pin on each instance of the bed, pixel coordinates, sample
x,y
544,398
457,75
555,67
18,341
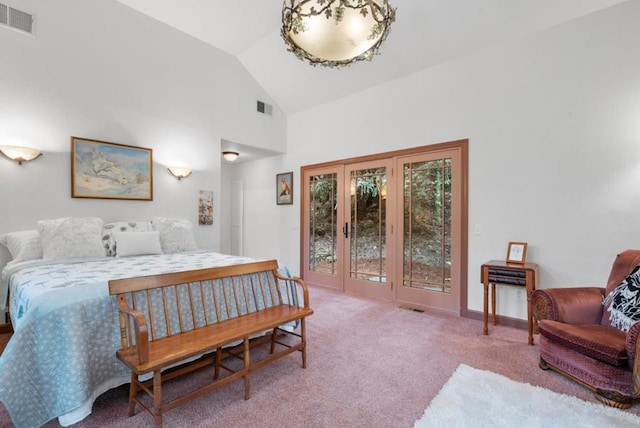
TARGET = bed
x,y
61,356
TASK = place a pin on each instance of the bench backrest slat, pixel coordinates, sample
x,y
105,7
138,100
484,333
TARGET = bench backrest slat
x,y
151,318
193,309
203,297
253,290
244,289
165,307
226,299
216,301
235,296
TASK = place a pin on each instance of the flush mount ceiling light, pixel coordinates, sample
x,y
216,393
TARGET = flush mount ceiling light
x,y
335,33
20,154
230,156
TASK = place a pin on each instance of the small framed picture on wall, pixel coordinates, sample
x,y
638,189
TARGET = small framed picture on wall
x,y
517,252
284,188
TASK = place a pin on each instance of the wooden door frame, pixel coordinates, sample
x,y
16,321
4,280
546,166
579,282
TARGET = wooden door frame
x,y
463,145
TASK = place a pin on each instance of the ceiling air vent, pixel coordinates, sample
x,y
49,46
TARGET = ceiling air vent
x,y
16,19
264,108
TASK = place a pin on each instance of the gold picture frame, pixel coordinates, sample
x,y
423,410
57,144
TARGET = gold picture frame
x,y
517,252
104,170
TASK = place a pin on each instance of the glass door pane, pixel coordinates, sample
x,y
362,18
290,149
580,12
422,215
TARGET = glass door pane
x,y
368,224
323,223
427,225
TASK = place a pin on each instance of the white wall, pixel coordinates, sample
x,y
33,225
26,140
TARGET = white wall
x,y
553,123
99,70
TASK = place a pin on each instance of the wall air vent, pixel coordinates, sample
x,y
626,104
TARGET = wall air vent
x,y
264,108
16,19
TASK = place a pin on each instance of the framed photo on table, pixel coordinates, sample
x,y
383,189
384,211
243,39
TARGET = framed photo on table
x,y
517,252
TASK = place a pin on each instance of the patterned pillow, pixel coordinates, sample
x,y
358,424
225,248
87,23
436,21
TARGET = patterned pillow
x,y
67,238
23,246
624,302
176,236
109,230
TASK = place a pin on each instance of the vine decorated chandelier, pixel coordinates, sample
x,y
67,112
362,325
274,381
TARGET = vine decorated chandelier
x,y
336,33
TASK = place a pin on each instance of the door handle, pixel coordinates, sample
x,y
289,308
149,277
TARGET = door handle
x,y
345,230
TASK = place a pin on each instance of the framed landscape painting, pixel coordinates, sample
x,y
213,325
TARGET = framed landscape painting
x,y
104,170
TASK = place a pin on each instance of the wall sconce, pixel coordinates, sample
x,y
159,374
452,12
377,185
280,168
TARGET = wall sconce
x,y
20,154
230,156
179,172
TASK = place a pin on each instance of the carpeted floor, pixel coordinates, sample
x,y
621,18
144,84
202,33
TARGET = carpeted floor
x,y
370,364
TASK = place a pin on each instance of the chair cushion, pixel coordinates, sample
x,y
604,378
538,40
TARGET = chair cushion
x,y
606,344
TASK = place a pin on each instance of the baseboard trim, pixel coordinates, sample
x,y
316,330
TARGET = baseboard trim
x,y
502,320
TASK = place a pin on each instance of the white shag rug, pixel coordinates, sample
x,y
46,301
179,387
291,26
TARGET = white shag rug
x,y
480,398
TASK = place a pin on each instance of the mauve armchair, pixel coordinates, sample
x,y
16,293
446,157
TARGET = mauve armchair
x,y
578,341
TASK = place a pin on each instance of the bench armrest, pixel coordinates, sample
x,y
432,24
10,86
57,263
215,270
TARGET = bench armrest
x,y
300,282
140,331
582,305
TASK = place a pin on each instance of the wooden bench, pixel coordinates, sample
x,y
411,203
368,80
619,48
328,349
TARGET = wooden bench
x,y
169,318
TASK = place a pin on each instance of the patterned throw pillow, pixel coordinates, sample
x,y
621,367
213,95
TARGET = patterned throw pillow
x,y
624,302
176,236
110,229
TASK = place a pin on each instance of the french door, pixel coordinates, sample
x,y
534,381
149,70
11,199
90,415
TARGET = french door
x,y
322,247
366,232
390,227
430,220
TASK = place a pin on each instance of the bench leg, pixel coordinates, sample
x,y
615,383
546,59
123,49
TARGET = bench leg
x,y
133,393
247,363
303,338
218,360
157,398
274,336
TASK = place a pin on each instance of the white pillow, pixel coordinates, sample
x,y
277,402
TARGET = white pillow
x,y
109,229
137,244
176,236
23,246
66,238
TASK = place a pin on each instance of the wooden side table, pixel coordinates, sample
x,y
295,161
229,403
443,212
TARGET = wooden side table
x,y
499,272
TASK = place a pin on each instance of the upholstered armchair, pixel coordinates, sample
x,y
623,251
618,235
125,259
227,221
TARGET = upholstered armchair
x,y
577,338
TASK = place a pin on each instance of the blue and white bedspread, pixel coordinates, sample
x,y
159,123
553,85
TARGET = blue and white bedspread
x,y
62,353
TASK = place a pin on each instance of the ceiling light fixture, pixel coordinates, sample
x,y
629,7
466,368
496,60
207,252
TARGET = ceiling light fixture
x,y
20,154
335,33
230,156
179,172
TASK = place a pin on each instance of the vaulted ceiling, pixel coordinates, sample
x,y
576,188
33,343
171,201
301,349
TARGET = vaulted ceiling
x,y
425,34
